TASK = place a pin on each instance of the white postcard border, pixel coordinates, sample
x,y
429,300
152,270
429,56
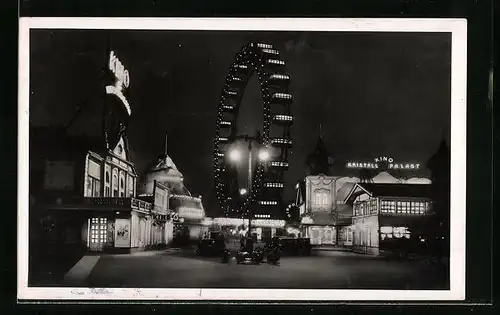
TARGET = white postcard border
x,y
458,28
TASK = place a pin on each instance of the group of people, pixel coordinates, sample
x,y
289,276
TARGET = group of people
x,y
247,244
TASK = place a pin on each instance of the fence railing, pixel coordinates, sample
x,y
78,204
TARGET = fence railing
x,y
122,203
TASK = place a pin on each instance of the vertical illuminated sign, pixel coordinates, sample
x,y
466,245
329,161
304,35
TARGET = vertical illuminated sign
x,y
117,109
122,80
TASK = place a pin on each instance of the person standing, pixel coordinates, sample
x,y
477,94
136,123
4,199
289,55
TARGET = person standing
x,y
249,245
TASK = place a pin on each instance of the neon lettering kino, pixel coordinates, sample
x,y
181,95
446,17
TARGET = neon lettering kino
x,y
122,80
121,74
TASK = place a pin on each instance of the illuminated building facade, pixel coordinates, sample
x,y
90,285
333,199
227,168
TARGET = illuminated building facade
x,y
322,216
84,190
389,216
319,212
88,196
187,211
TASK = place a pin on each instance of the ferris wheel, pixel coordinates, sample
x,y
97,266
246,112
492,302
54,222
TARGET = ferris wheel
x,y
266,183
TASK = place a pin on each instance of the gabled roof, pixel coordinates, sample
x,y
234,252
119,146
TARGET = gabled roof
x,y
390,190
165,171
163,162
355,191
127,152
343,191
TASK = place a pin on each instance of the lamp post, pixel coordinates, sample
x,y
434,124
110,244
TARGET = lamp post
x,y
235,156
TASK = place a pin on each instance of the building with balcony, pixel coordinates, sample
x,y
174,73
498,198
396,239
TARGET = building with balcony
x,y
322,216
85,199
389,216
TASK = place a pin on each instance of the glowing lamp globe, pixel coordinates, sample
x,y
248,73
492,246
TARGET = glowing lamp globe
x,y
234,155
243,191
264,155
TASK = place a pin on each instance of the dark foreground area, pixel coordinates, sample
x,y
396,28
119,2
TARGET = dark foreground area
x,y
321,270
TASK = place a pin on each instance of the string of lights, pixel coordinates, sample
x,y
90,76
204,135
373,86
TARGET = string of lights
x,y
262,60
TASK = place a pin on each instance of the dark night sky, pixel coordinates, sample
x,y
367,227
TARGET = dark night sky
x,y
374,93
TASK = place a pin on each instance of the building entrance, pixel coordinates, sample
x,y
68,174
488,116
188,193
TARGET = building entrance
x,y
98,233
322,235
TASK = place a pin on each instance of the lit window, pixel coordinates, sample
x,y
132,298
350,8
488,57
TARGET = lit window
x,y
356,208
99,230
130,184
93,187
114,182
318,199
388,232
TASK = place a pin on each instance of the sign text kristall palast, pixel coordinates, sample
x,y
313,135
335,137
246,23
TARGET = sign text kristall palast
x,y
383,162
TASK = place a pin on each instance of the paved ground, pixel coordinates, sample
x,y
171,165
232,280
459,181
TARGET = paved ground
x,y
322,270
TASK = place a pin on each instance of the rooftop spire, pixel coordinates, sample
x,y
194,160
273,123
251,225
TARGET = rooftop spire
x,y
166,142
319,160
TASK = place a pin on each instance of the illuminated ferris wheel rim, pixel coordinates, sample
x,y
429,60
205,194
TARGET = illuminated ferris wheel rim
x,y
263,60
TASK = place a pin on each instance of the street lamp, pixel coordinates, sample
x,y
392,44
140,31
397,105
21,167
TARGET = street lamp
x,y
235,156
264,155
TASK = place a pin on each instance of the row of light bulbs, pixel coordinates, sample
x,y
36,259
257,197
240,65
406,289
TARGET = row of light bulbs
x,y
273,185
279,77
276,62
286,96
283,117
281,141
270,51
268,202
261,45
279,163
